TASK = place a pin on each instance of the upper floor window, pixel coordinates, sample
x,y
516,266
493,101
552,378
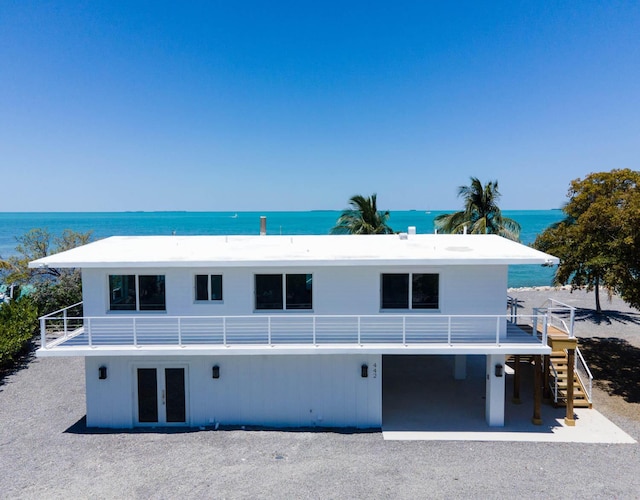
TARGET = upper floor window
x,y
284,291
129,292
410,291
208,287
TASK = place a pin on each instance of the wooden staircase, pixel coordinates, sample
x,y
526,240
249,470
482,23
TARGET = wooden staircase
x,y
558,362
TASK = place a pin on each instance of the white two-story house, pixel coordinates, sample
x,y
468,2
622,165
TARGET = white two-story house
x,y
280,330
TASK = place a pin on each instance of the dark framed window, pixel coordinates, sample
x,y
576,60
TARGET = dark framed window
x,y
289,291
122,292
425,290
299,291
128,292
396,292
152,296
269,291
208,287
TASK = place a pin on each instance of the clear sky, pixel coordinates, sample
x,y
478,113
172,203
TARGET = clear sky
x,y
231,106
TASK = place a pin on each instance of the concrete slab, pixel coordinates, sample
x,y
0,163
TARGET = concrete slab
x,y
423,401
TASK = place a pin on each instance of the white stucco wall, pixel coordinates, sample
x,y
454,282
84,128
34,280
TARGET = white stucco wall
x,y
274,390
336,290
281,391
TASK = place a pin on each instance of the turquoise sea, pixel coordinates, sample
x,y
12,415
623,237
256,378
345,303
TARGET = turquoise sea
x,y
105,224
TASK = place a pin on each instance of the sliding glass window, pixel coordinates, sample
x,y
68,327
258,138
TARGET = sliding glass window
x,y
128,292
289,291
423,293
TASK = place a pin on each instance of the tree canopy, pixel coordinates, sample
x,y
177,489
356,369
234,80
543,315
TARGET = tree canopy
x,y
363,217
598,242
481,214
53,288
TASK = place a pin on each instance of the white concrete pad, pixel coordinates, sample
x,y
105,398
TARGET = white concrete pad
x,y
591,427
423,401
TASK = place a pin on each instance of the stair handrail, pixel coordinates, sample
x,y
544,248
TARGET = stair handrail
x,y
550,305
545,324
555,383
581,363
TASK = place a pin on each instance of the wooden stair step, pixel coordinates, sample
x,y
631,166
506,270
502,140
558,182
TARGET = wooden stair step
x,y
559,370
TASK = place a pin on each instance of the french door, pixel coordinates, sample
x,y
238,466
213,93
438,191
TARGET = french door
x,y
161,395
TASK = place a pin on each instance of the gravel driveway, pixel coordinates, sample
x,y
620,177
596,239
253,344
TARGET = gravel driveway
x,y
45,451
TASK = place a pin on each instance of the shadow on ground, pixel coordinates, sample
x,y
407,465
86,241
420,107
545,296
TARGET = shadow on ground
x,y
80,427
21,362
607,317
614,364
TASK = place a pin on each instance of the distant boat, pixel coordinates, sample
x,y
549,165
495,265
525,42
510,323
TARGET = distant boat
x,y
234,216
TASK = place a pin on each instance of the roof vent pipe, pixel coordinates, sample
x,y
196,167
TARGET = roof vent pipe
x,y
464,230
263,225
411,230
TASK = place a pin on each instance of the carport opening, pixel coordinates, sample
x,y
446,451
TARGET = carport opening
x,y
422,393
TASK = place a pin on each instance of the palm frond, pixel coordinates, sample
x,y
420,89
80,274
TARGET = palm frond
x,y
481,214
363,217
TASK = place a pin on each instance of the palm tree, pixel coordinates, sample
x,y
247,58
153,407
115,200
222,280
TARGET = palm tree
x,y
481,214
362,218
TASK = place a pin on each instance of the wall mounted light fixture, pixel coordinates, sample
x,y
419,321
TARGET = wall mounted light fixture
x,y
498,370
215,372
102,373
364,371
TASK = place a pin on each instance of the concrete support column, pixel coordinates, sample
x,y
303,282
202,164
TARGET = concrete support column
x,y
537,390
495,390
516,380
460,369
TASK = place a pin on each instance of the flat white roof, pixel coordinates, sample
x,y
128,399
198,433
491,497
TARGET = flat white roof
x,y
308,250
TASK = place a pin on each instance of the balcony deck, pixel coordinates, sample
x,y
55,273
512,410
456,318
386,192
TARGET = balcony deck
x,y
288,334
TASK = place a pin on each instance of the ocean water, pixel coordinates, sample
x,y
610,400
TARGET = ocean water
x,y
104,224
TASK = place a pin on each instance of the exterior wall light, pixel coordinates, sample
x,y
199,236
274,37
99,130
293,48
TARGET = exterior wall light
x,y
102,373
499,370
215,372
364,371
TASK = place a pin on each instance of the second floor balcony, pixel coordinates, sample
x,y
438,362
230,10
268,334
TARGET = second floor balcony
x,y
63,333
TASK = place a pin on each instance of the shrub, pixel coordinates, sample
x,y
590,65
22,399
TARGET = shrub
x,y
18,322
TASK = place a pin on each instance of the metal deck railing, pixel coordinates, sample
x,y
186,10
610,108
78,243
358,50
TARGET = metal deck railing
x,y
562,317
60,329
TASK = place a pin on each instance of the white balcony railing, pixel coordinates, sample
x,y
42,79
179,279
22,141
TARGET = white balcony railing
x,y
62,329
559,315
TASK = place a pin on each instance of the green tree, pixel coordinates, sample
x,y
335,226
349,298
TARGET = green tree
x,y
481,214
54,288
363,218
598,242
18,321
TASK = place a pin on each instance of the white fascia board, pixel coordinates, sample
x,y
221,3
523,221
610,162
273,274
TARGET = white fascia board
x,y
172,351
289,263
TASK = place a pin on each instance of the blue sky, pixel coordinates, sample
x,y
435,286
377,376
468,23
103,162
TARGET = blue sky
x,y
125,105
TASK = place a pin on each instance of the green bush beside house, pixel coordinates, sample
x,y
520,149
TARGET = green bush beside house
x,y
18,322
